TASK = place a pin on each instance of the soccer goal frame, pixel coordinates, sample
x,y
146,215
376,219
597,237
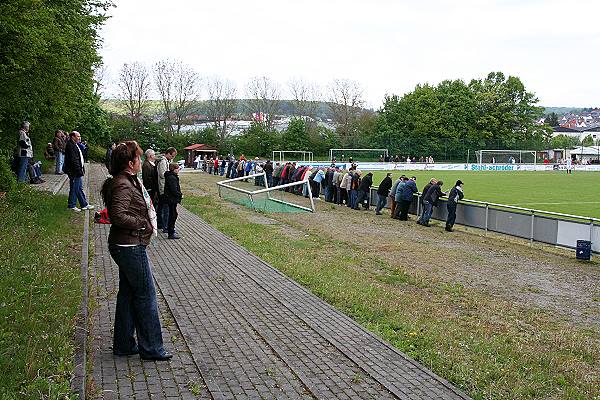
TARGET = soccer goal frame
x,y
384,151
307,156
268,190
517,153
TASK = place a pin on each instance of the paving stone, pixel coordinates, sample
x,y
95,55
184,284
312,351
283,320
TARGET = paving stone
x,y
238,328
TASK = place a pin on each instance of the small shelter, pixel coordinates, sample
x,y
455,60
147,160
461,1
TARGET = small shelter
x,y
198,149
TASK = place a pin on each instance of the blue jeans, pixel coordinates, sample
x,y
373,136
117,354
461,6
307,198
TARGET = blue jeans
x,y
76,192
381,202
137,308
60,160
222,171
427,211
353,198
23,163
162,213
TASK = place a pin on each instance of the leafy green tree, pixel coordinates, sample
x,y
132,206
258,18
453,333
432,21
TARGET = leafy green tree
x,y
48,52
552,119
588,141
258,140
295,136
563,142
505,110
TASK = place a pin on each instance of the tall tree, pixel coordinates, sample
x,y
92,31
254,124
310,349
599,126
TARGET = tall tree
x,y
506,110
264,100
306,97
48,51
552,119
221,106
134,87
346,102
178,86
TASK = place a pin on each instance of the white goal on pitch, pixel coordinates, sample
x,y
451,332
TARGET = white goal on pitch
x,y
292,155
347,153
506,157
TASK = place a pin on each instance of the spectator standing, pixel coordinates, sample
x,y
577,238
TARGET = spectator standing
x,y
456,194
382,193
133,223
364,192
354,185
268,168
430,200
162,166
393,192
59,143
431,182
24,151
75,169
319,175
150,175
173,197
406,197
108,155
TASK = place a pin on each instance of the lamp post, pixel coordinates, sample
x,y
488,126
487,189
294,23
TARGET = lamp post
x,y
595,137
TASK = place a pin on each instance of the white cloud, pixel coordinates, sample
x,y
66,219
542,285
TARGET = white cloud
x,y
388,46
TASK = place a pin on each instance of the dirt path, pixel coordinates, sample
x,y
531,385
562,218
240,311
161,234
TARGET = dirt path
x,y
540,276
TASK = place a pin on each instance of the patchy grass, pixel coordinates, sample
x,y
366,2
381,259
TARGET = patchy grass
x,y
40,291
489,347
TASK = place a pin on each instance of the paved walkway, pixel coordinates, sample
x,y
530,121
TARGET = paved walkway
x,y
238,328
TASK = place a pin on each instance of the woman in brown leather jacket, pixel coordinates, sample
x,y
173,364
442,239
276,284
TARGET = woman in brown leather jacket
x,y
133,223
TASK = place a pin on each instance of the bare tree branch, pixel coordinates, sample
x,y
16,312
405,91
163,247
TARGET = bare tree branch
x,y
306,97
346,103
264,96
178,86
134,86
221,105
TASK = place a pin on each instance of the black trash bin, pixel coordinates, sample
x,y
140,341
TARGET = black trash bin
x,y
584,250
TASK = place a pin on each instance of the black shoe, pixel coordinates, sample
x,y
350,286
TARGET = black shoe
x,y
449,229
378,213
163,357
174,236
419,222
427,225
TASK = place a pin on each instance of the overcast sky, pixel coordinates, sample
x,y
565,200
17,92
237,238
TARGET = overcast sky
x,y
387,46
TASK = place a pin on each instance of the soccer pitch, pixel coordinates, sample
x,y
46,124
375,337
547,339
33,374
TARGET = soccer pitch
x,y
576,194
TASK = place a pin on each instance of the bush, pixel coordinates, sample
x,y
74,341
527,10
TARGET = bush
x,y
8,180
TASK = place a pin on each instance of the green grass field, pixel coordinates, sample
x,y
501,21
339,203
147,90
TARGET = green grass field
x,y
577,194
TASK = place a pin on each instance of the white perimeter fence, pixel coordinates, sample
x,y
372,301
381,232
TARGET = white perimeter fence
x,y
365,166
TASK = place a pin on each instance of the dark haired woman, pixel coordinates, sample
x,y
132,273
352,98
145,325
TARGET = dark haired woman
x,y
133,223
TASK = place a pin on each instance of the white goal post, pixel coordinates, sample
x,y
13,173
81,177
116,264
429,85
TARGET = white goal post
x,y
383,152
307,156
252,194
506,157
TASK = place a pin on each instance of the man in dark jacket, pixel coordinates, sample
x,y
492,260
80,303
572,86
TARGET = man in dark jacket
x,y
74,168
150,176
431,182
173,197
364,190
268,168
406,197
456,194
382,193
431,199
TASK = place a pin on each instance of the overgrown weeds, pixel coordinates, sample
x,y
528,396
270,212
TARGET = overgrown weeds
x,y
40,291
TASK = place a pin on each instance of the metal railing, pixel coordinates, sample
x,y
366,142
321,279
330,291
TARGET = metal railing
x,y
548,227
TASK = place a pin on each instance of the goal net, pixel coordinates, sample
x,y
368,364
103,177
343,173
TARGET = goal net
x,y
506,157
344,155
292,155
252,191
